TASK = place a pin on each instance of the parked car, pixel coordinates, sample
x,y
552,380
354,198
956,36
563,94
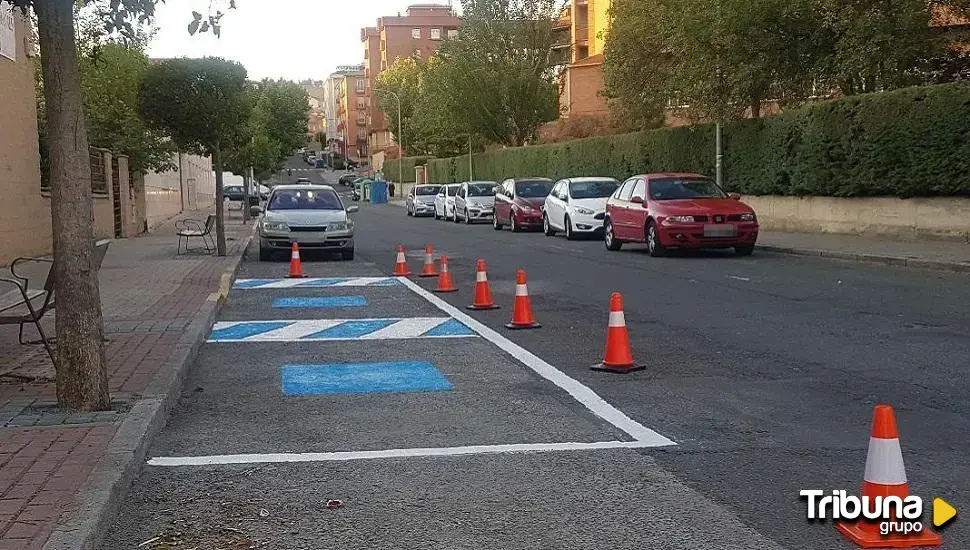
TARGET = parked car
x,y
312,216
232,193
673,210
577,206
475,201
444,202
347,179
420,200
304,181
519,203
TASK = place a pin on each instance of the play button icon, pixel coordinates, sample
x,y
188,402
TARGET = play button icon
x,y
942,512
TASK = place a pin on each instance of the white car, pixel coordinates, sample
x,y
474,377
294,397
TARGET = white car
x,y
577,206
312,216
444,202
475,201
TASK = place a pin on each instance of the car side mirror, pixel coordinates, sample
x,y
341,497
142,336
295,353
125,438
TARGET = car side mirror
x,y
637,200
255,210
734,196
352,208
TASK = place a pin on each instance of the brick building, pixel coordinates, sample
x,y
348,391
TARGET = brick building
x,y
419,33
588,22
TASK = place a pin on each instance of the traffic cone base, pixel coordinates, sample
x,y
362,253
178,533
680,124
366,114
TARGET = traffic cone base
x,y
480,308
618,369
514,326
441,291
868,538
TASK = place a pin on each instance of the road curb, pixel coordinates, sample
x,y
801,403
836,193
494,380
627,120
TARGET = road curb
x,y
98,502
899,261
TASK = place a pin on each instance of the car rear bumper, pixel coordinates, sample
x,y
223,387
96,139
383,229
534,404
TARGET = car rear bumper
x,y
692,236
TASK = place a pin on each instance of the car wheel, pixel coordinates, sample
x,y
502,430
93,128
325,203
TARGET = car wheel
x,y
265,254
512,225
547,227
347,255
569,229
495,223
454,216
745,250
612,243
468,219
654,247
408,210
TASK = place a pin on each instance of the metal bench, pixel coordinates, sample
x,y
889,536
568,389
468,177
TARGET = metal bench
x,y
195,229
27,304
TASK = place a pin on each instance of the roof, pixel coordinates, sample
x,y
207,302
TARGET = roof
x,y
531,178
590,178
304,186
653,175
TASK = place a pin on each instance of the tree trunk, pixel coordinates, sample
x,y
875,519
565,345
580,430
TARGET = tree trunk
x,y
220,202
82,378
245,208
756,106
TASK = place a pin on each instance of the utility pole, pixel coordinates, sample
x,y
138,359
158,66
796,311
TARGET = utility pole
x,y
470,176
719,154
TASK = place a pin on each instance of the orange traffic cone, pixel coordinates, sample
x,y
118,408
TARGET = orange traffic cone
x,y
618,357
885,476
296,266
445,284
522,316
483,294
401,268
429,270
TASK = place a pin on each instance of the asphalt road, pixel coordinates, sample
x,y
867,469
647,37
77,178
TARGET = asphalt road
x,y
763,370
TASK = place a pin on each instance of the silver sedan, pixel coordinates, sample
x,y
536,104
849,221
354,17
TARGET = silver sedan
x,y
313,216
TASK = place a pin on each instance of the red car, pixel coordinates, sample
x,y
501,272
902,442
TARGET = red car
x,y
519,203
673,210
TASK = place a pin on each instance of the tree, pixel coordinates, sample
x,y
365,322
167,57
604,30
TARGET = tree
x,y
81,376
202,104
399,82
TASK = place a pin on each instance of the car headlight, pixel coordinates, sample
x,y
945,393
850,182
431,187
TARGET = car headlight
x,y
748,217
584,211
679,219
338,226
275,226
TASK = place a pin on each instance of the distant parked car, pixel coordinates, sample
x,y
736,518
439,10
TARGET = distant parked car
x,y
444,202
475,201
420,200
347,179
577,206
232,193
519,203
673,210
303,181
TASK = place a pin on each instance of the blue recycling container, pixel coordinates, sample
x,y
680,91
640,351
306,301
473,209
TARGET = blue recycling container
x,y
319,163
378,191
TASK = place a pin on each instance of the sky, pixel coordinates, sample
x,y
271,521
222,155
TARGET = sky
x,y
291,39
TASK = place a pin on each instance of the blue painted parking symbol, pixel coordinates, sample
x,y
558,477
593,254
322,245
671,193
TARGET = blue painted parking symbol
x,y
391,377
320,302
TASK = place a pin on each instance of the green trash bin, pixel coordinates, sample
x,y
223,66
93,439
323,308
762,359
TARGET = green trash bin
x,y
365,189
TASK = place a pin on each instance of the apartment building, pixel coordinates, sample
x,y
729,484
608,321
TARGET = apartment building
x,y
588,22
342,105
419,33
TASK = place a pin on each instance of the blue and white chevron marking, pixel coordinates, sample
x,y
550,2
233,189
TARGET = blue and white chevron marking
x,y
339,329
314,283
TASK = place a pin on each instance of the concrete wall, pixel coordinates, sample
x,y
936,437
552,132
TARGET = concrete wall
x,y
910,219
191,187
25,226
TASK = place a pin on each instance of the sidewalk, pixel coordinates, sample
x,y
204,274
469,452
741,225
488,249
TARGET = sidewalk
x,y
943,255
60,472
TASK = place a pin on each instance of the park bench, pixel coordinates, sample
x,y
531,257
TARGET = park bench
x,y
28,304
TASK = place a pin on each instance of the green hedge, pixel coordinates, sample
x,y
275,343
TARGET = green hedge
x,y
911,142
392,167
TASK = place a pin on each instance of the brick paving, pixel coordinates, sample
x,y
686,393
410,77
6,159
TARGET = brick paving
x,y
149,295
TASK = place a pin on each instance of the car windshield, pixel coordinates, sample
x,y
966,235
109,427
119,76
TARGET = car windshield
x,y
592,189
452,190
533,189
310,199
481,189
425,190
672,189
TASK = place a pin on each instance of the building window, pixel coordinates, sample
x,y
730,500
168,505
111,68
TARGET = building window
x,y
383,45
417,53
359,85
435,34
416,34
452,34
99,176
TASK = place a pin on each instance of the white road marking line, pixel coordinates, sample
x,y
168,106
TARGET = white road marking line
x,y
295,331
338,456
409,328
578,391
738,278
241,284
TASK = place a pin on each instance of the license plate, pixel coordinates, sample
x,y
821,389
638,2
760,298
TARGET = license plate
x,y
720,230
